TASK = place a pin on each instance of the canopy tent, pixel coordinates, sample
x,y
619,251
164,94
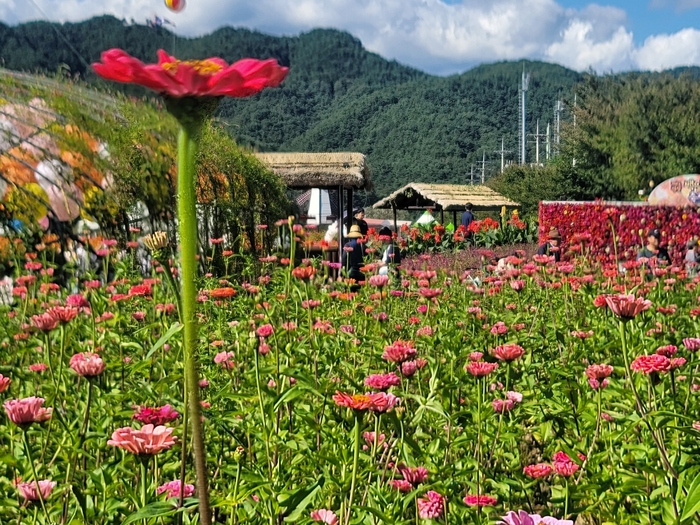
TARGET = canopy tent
x,y
445,197
342,171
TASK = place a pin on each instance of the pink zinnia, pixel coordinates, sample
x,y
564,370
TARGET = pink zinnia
x,y
87,364
599,371
508,352
64,314
265,330
539,470
432,506
648,364
30,493
382,381
501,406
499,328
402,485
156,416
480,501
627,306
4,383
399,351
517,285
480,368
324,516
173,488
414,475
523,518
225,359
148,440
37,367
692,343
77,301
44,322
380,281
563,464
430,293
667,350
24,412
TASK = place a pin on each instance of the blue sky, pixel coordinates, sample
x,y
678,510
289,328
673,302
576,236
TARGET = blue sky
x,y
440,36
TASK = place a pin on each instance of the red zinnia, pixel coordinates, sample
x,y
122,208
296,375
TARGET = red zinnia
x,y
540,470
222,293
399,351
508,352
648,364
304,272
212,77
480,368
480,501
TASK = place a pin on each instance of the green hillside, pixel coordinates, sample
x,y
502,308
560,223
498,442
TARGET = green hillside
x,y
338,96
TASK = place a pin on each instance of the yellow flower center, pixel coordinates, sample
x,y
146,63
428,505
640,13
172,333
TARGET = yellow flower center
x,y
202,67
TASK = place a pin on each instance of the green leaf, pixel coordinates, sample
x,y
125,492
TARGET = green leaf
x,y
174,328
153,510
297,502
692,502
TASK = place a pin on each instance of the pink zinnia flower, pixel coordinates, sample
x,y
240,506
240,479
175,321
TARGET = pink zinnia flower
x,y
599,371
265,330
382,381
225,359
667,350
31,491
24,412
44,322
517,285
677,362
148,440
4,383
371,436
648,364
324,516
480,501
501,406
414,475
64,314
402,485
77,301
380,281
37,367
499,328
138,316
480,368
627,306
563,464
475,356
87,364
399,351
539,470
508,352
379,402
172,488
156,416
432,506
692,343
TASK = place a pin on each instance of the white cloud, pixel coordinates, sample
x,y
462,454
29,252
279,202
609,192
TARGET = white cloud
x,y
667,51
428,34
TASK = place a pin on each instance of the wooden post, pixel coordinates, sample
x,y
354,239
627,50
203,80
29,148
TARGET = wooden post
x,y
454,218
396,228
349,206
341,237
442,215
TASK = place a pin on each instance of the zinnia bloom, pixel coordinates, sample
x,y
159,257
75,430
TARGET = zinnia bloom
x,y
627,306
24,412
324,516
480,368
382,381
225,359
4,383
402,485
222,293
379,402
399,351
172,488
87,364
379,281
599,371
508,352
692,343
192,78
265,330
563,464
648,364
432,506
480,501
304,273
29,490
148,440
539,470
156,416
414,475
63,314
44,322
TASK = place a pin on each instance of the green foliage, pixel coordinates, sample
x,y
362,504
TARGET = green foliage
x,y
529,185
632,130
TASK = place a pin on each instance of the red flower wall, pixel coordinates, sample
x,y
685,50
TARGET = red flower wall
x,y
591,224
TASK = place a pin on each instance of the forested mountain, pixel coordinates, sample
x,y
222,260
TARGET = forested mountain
x,y
337,97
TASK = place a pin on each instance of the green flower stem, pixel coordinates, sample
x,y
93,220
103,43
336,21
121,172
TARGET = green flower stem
x,y
187,218
355,461
28,450
144,483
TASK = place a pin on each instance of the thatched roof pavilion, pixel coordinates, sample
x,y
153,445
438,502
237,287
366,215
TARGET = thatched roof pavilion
x,y
320,170
445,197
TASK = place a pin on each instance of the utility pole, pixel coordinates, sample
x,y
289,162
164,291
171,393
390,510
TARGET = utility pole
x,y
502,153
483,167
548,147
472,175
523,91
558,110
537,136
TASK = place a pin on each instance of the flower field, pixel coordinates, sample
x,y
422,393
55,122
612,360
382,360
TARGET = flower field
x,y
548,395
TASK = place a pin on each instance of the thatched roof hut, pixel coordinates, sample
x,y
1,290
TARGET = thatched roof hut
x,y
320,170
445,197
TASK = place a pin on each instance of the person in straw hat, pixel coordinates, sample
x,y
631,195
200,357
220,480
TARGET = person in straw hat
x,y
354,255
552,246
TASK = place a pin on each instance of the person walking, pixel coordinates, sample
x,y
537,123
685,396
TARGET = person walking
x,y
354,256
467,216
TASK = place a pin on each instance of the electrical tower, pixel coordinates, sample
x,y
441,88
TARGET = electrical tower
x,y
502,152
558,110
523,92
537,135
